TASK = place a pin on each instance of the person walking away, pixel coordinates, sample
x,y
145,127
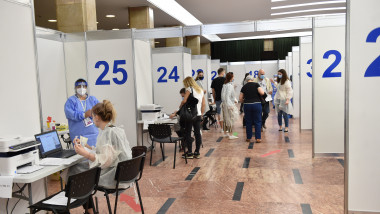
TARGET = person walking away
x,y
229,109
251,94
216,86
266,85
282,98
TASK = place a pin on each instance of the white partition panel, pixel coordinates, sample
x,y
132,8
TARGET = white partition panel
x,y
362,106
270,67
306,83
328,89
201,63
111,75
290,65
168,74
20,109
287,63
296,81
281,64
75,60
238,68
51,64
143,71
215,65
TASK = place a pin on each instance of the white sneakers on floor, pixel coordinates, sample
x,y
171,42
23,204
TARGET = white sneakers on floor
x,y
232,137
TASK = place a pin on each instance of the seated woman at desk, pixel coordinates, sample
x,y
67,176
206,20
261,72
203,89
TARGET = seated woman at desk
x,y
112,147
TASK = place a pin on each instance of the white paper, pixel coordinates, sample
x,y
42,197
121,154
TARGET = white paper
x,y
29,169
60,200
6,186
56,161
146,123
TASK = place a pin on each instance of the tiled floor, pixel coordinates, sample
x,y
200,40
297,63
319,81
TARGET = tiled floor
x,y
269,183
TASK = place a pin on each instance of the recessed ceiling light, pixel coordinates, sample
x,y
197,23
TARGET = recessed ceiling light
x,y
157,42
110,16
116,29
306,11
97,22
52,20
128,24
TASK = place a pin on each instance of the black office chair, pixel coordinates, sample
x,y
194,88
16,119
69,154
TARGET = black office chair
x,y
162,133
81,187
138,150
126,172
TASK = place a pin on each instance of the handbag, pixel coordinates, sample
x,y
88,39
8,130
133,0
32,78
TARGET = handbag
x,y
188,111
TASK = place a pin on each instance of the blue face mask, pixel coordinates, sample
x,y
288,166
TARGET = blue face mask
x,y
279,76
262,77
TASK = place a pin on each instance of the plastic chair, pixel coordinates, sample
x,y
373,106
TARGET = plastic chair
x,y
162,133
81,187
127,172
138,150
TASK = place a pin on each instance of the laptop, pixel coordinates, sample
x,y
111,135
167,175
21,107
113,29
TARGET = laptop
x,y
51,146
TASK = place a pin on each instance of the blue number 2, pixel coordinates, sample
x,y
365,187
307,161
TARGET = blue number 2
x,y
373,69
100,80
338,58
309,62
161,79
214,75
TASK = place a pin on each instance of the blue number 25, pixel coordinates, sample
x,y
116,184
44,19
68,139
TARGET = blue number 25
x,y
116,69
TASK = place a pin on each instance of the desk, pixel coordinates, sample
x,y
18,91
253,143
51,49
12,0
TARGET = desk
x,y
28,179
140,124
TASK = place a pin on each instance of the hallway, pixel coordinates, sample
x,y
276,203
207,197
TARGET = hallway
x,y
232,176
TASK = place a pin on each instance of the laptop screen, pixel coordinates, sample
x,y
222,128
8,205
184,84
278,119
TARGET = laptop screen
x,y
49,142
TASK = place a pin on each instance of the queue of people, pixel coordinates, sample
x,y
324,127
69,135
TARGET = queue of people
x,y
107,145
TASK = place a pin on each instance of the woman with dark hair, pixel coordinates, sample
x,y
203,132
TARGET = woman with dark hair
x,y
199,79
229,109
282,98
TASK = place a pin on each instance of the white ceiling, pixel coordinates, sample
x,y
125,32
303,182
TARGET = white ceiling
x,y
207,11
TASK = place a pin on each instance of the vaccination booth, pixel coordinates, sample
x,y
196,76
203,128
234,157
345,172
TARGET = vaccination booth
x,y
306,83
170,66
328,85
296,82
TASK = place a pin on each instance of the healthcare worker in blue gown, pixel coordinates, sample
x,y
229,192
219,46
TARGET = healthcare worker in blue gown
x,y
78,113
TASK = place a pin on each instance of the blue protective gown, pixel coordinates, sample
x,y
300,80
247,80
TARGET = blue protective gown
x,y
75,115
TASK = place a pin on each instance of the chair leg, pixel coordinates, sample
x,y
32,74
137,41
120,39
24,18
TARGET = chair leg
x,y
108,203
175,154
162,152
141,204
117,198
151,153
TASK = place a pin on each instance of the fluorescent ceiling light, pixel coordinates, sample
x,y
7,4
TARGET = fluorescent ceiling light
x,y
306,11
116,29
157,42
278,0
52,20
176,11
110,16
306,33
317,15
308,4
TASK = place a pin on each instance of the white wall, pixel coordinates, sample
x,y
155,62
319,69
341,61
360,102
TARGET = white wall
x,y
52,79
143,71
75,60
328,92
306,83
215,65
362,116
270,67
20,113
281,64
296,82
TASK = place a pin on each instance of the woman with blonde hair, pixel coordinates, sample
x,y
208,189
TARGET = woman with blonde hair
x,y
229,109
193,89
111,148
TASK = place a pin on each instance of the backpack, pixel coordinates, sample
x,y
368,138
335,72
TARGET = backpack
x,y
188,113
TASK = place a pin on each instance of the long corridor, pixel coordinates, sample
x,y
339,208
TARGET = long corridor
x,y
233,176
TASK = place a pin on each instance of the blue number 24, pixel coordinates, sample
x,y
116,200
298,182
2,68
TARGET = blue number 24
x,y
373,69
172,75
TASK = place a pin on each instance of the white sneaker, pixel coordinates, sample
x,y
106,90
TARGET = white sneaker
x,y
225,135
232,137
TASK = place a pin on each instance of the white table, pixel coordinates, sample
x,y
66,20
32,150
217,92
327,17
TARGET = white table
x,y
28,179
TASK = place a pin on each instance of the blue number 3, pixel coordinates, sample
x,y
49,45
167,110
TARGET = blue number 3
x,y
373,69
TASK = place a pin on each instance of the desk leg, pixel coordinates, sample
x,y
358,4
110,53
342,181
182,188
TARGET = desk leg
x,y
30,196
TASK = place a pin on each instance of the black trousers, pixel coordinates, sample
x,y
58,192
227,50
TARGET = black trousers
x,y
197,134
265,114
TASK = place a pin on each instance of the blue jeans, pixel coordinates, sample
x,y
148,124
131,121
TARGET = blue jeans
x,y
286,118
218,109
252,115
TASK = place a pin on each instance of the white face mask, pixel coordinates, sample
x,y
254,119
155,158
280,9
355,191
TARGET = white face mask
x,y
81,91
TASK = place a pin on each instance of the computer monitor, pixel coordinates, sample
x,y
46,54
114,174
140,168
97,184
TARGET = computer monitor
x,y
49,143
